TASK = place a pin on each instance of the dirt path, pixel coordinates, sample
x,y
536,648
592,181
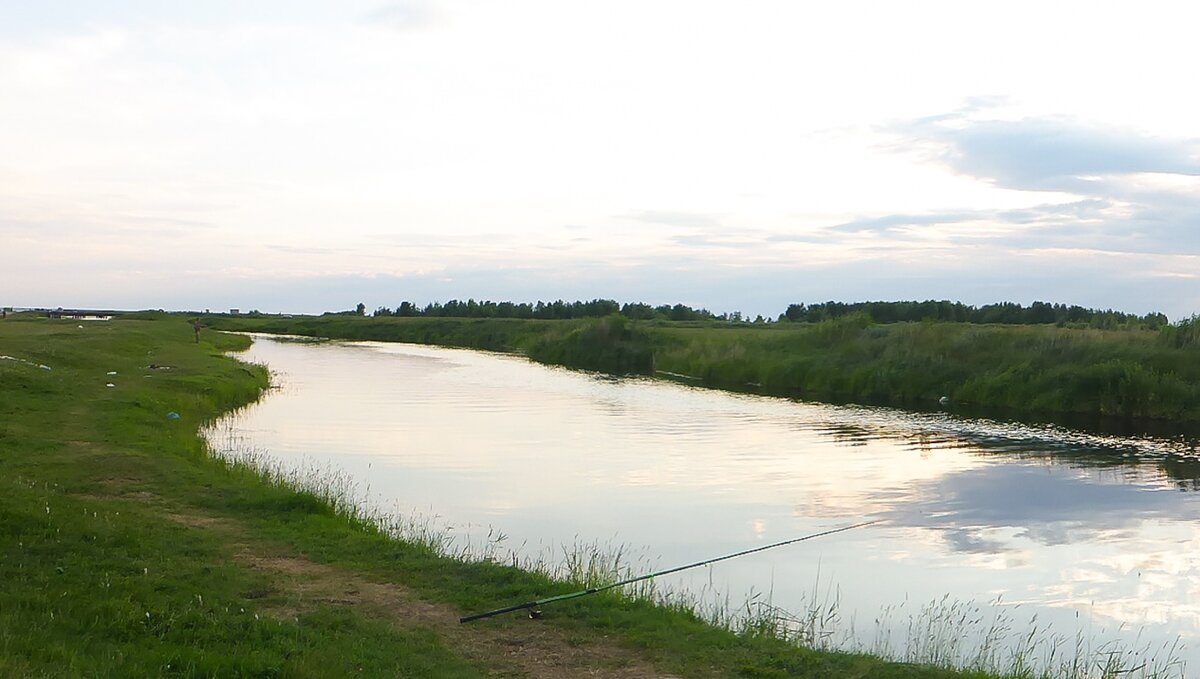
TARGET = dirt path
x,y
527,650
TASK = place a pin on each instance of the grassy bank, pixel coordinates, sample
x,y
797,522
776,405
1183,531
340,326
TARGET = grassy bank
x,y
611,344
1043,372
126,550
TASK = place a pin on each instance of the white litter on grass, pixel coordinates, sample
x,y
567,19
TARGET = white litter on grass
x,y
21,360
110,384
112,372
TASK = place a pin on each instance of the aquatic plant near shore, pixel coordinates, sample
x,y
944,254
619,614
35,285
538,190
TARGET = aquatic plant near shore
x,y
610,344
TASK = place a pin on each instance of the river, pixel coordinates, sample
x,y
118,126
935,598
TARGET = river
x,y
987,531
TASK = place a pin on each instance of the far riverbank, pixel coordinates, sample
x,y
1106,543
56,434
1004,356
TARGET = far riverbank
x,y
1135,379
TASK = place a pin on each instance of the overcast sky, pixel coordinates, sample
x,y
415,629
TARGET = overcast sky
x,y
303,156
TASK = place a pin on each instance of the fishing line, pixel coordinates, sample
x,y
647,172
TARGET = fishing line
x,y
532,606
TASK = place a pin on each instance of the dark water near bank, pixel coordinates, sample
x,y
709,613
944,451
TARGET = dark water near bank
x,y
1017,527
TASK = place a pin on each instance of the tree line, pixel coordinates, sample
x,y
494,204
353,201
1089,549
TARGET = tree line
x,y
1010,313
1038,313
556,310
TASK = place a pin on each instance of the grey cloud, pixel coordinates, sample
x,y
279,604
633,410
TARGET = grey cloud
x,y
1049,224
891,222
1089,208
1050,154
967,541
1163,224
1117,211
1150,223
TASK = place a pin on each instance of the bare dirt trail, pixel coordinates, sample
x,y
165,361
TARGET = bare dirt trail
x,y
299,585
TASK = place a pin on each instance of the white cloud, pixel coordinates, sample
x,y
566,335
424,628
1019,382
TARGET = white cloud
x,y
404,16
757,141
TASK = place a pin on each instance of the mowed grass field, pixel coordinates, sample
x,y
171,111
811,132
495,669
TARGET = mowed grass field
x,y
127,551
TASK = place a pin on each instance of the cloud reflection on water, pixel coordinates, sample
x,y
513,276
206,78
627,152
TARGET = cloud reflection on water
x,y
1048,506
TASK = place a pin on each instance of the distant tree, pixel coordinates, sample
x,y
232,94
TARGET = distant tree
x,y
795,312
1040,312
361,309
638,311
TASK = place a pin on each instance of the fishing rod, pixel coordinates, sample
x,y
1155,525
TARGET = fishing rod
x,y
532,606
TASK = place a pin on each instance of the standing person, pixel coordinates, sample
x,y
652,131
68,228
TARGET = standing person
x,y
196,326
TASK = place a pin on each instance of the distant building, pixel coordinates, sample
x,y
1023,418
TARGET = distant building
x,y
235,312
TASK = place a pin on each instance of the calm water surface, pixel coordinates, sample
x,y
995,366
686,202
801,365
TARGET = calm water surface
x,y
1059,530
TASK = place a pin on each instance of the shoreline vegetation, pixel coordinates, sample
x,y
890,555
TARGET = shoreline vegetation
x,y
1062,365
129,549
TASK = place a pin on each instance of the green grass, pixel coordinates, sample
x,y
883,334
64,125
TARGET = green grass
x,y
96,581
103,573
1032,370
